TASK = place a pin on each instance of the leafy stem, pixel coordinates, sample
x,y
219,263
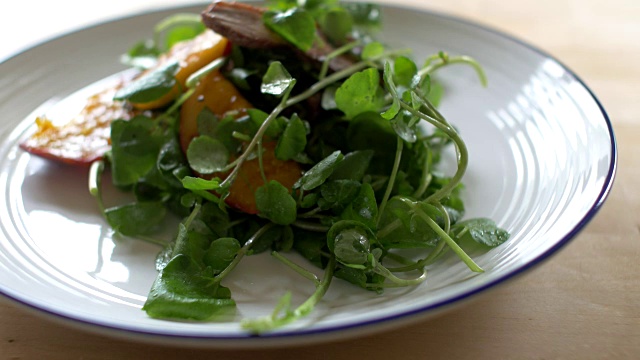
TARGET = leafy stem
x,y
446,60
426,176
337,52
282,315
396,281
421,263
461,147
297,268
392,178
242,252
450,242
305,225
389,228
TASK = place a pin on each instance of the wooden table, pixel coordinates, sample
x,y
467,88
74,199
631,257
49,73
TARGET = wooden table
x,y
582,304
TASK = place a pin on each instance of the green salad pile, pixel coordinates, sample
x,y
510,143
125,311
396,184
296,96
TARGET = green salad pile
x,y
367,137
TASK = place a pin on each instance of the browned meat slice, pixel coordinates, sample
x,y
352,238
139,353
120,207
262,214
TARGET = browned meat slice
x,y
242,24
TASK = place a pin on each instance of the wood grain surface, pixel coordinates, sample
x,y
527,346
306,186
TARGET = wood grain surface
x,y
584,303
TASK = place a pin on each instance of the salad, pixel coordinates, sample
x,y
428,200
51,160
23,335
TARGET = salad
x,y
277,129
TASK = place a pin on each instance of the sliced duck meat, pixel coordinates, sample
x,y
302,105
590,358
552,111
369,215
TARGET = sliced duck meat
x,y
242,24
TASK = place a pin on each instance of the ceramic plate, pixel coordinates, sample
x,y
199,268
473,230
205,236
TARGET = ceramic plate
x,y
543,158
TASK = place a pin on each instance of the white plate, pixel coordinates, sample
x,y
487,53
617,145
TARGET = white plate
x,y
543,158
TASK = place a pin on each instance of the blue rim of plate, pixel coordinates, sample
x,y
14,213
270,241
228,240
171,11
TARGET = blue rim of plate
x,y
416,314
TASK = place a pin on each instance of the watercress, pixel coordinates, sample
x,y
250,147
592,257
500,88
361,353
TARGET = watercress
x,y
368,152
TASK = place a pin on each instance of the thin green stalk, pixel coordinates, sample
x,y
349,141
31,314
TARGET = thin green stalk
x,y
257,137
276,320
430,68
192,216
396,281
310,226
241,253
240,136
446,217
337,52
426,177
452,244
392,178
461,147
261,163
389,228
310,213
297,268
194,78
421,263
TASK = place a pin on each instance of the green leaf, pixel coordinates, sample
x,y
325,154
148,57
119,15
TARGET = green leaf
x,y
216,219
435,94
337,194
136,219
207,122
281,5
177,28
296,26
354,166
311,245
183,291
287,239
150,86
276,80
413,232
317,175
293,139
268,241
351,247
389,82
196,183
191,243
351,242
404,71
360,93
309,200
482,231
355,276
336,24
372,50
365,15
221,253
207,155
370,131
171,163
276,127
134,149
363,208
400,125
275,203
226,127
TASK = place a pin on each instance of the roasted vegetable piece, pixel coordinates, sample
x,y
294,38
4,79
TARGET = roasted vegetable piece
x,y
242,192
219,95
191,56
85,138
